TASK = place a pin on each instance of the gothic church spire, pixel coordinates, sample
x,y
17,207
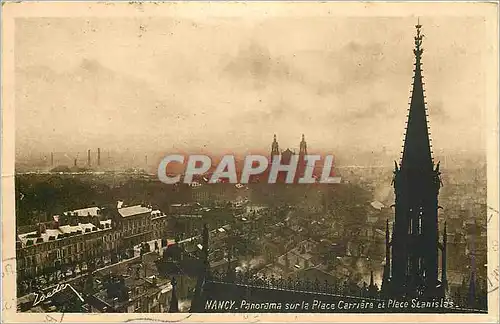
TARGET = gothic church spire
x,y
417,149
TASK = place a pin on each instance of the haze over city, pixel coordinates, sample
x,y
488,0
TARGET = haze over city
x,y
219,85
402,104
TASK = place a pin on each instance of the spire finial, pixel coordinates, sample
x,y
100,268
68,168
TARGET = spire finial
x,y
418,41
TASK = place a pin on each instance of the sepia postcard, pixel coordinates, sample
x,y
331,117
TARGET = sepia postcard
x,y
249,162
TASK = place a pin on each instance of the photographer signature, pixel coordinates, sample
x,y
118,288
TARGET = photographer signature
x,y
40,297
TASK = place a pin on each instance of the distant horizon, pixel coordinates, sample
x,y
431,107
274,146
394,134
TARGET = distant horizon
x,y
343,158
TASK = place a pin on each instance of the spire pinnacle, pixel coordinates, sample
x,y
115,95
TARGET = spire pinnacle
x,y
205,240
417,149
274,147
445,234
303,146
174,303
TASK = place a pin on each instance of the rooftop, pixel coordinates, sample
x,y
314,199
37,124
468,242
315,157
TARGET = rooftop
x,y
134,210
32,238
157,213
89,211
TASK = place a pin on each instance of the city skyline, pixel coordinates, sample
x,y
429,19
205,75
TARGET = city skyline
x,y
130,180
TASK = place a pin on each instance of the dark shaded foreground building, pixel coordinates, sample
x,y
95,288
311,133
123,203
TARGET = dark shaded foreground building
x,y
412,255
416,250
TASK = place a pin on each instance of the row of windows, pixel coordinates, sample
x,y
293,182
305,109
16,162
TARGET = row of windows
x,y
49,246
75,249
111,237
55,251
133,223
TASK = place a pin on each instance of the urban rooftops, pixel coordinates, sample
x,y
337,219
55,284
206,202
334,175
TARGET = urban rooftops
x,y
32,238
90,211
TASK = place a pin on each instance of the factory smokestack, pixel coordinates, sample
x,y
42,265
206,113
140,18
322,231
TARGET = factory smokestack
x,y
88,158
98,156
74,162
51,158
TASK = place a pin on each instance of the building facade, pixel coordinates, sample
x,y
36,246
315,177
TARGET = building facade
x,y
85,238
62,245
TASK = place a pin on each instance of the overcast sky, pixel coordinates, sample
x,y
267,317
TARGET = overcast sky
x,y
228,85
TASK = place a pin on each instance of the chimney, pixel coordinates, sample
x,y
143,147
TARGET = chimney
x,y
98,156
95,221
41,229
51,158
74,163
88,158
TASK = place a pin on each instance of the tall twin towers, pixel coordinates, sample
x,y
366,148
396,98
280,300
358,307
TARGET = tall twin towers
x,y
286,156
275,148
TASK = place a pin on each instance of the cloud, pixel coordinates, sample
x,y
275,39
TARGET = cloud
x,y
338,80
254,62
437,112
375,109
97,104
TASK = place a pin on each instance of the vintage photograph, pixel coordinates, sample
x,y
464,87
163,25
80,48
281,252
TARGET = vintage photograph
x,y
269,162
